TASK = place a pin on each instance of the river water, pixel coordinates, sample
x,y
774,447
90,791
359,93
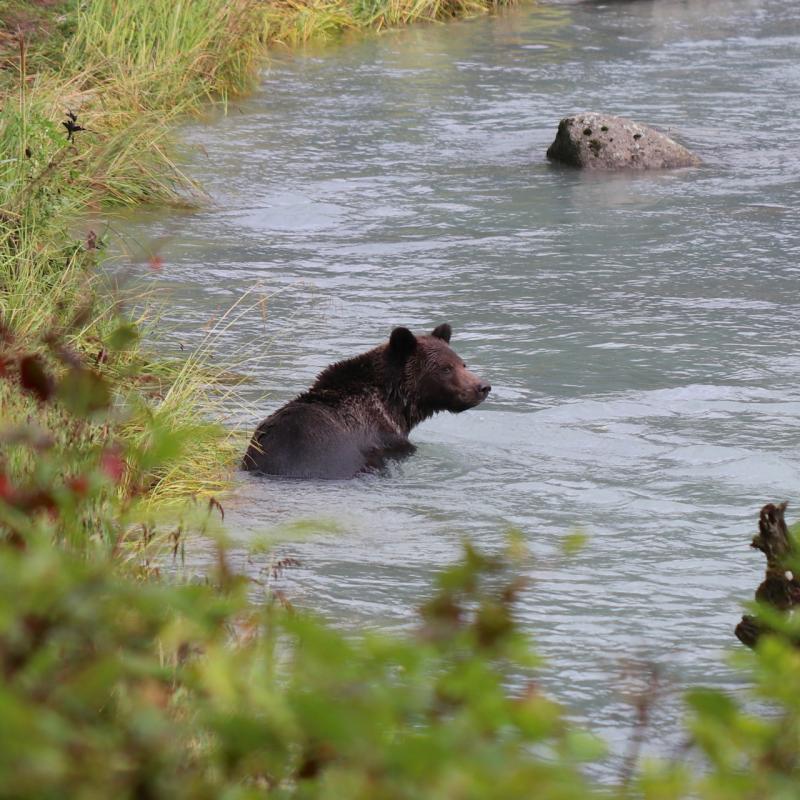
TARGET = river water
x,y
640,331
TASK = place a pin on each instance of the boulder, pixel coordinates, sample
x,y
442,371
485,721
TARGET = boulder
x,y
604,142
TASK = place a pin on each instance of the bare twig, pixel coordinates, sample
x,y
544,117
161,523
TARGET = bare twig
x,y
643,703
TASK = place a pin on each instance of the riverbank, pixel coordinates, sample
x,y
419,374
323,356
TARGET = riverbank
x,y
90,95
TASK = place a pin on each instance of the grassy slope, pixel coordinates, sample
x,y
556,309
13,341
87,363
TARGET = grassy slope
x,y
129,70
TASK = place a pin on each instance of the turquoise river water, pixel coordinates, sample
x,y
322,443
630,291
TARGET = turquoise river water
x,y
641,331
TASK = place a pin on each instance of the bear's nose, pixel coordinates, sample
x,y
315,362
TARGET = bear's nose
x,y
484,389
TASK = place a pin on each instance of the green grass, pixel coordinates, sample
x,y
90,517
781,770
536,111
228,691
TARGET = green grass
x,y
129,71
294,22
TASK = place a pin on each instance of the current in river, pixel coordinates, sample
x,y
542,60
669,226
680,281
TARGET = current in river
x,y
640,331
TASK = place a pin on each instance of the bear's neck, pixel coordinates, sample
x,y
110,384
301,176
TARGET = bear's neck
x,y
404,409
368,375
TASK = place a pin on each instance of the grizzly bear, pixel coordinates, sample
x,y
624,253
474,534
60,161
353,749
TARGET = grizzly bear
x,y
360,411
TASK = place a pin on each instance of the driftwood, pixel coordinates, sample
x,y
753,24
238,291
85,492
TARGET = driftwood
x,y
779,589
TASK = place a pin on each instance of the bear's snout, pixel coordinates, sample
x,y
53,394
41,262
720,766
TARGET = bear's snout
x,y
481,390
475,391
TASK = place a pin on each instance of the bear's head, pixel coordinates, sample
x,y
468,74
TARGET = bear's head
x,y
434,376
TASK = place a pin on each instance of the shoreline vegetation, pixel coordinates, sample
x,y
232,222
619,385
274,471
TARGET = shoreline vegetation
x,y
118,684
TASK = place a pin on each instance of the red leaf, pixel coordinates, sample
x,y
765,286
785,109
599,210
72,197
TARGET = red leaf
x,y
78,485
112,465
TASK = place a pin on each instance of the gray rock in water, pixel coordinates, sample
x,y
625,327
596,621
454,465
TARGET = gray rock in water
x,y
603,142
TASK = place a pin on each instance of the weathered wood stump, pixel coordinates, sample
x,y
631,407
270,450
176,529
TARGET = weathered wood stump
x,y
779,589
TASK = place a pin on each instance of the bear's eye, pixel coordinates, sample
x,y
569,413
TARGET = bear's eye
x,y
447,370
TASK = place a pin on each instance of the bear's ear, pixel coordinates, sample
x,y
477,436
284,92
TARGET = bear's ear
x,y
443,332
402,343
